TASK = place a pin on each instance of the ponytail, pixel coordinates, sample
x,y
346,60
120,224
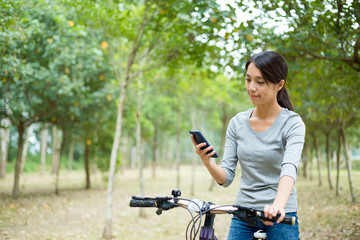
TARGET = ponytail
x,y
284,99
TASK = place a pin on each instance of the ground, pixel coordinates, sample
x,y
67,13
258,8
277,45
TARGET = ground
x,y
80,214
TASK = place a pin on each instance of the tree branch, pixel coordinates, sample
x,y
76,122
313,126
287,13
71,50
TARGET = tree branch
x,y
136,43
356,51
348,61
146,69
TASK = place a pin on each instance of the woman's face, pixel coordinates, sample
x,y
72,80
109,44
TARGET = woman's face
x,y
260,91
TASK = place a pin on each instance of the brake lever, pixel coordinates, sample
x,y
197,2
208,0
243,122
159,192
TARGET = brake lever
x,y
245,214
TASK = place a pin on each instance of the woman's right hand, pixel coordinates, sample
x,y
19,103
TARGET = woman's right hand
x,y
205,157
216,171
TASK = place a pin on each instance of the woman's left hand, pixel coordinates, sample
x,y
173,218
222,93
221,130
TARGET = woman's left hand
x,y
272,211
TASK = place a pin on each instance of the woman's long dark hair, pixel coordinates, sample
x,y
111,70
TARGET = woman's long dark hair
x,y
273,68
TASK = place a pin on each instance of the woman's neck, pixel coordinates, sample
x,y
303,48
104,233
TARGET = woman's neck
x,y
266,112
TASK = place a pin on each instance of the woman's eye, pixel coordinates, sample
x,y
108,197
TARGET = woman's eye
x,y
261,83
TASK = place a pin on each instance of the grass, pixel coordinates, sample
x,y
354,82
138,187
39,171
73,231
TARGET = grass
x,y
80,214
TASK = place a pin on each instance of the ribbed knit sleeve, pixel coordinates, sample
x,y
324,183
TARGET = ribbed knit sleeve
x,y
230,153
295,138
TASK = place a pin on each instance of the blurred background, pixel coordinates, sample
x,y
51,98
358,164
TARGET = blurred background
x,y
91,91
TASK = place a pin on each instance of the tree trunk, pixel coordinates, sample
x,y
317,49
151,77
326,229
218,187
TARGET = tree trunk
x,y
121,152
155,151
125,154
132,157
113,157
222,142
178,149
43,147
57,158
4,146
194,156
86,162
338,155
306,160
54,138
348,164
318,158
71,152
311,163
25,150
139,145
192,186
16,188
139,156
328,159
107,233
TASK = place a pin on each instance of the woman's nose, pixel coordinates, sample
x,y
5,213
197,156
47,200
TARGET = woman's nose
x,y
252,87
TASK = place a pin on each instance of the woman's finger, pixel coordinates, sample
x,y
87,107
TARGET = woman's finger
x,y
266,211
193,140
199,146
268,223
282,216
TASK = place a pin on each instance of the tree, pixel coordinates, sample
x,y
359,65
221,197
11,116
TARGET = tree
x,y
41,70
146,18
328,107
320,29
24,100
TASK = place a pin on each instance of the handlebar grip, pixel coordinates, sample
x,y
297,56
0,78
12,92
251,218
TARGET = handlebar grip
x,y
290,220
142,203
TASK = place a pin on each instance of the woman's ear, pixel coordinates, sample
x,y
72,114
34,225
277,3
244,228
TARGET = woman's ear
x,y
281,84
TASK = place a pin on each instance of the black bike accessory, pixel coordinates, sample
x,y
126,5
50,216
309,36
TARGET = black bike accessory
x,y
141,198
176,193
165,204
151,198
290,220
162,203
245,214
142,203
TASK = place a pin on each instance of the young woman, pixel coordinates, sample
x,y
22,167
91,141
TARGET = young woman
x,y
267,141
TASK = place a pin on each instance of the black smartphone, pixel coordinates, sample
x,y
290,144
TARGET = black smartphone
x,y
199,138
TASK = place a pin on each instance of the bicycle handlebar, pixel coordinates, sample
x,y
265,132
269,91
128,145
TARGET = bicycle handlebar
x,y
290,220
243,213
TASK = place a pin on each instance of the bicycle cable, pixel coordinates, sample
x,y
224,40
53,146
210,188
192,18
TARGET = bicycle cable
x,y
193,232
194,219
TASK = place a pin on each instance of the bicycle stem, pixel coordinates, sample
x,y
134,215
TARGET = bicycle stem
x,y
207,231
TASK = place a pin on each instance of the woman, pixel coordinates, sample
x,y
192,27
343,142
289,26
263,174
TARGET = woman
x,y
267,141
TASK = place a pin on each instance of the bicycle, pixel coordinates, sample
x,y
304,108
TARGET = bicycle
x,y
194,228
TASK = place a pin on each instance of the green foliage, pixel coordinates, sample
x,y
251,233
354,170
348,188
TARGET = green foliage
x,y
41,73
63,61
320,41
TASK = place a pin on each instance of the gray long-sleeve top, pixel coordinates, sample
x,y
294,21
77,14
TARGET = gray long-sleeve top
x,y
264,157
